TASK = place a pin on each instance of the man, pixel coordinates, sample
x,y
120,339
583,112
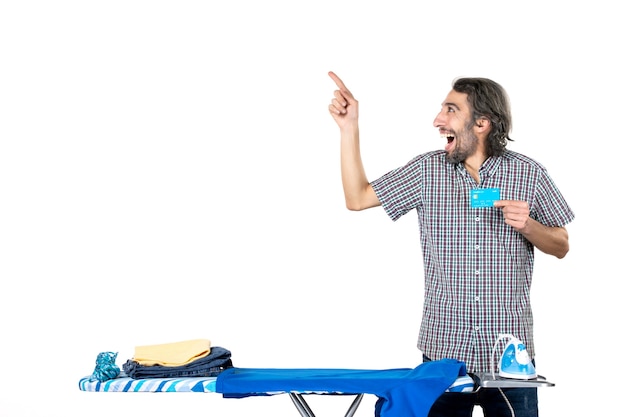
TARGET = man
x,y
482,210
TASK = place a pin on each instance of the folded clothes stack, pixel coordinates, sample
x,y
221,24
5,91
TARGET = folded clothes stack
x,y
191,358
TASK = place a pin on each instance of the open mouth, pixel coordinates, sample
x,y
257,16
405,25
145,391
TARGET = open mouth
x,y
449,137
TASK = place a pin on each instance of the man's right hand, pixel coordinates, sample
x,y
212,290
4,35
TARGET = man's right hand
x,y
344,108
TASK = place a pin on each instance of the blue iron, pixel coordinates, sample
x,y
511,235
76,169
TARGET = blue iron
x,y
515,362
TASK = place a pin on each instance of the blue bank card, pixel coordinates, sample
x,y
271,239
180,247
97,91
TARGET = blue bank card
x,y
484,197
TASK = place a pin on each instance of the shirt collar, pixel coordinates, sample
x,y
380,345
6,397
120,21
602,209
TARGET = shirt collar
x,y
487,169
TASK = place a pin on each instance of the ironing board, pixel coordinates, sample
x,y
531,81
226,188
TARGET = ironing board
x,y
297,383
124,383
413,389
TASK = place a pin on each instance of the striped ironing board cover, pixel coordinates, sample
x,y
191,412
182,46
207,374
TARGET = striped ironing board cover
x,y
124,383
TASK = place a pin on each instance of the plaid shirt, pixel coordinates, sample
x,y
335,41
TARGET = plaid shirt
x,y
477,269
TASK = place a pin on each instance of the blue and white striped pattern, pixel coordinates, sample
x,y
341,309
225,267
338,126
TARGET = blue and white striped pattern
x,y
127,384
462,384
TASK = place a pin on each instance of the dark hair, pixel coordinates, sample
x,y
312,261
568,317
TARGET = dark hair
x,y
488,100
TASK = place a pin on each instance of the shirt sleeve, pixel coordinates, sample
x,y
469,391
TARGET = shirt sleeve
x,y
399,191
550,207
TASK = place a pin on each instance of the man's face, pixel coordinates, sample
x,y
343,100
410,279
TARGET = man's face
x,y
455,126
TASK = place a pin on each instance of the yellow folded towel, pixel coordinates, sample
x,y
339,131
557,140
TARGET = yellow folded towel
x,y
172,354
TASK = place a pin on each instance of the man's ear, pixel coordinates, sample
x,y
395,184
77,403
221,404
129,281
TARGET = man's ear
x,y
483,124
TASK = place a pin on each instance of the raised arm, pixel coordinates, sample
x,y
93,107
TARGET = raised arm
x,y
344,109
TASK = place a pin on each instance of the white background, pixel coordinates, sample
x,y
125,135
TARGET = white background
x,y
169,171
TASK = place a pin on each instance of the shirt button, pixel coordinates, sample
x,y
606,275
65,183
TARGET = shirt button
x,y
477,328
477,272
476,246
477,298
477,219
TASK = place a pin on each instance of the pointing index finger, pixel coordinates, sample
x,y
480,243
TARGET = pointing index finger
x,y
339,83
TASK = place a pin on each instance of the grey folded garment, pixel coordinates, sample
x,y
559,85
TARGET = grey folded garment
x,y
211,365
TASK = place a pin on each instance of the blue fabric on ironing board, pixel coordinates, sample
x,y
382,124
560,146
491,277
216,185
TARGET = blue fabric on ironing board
x,y
402,392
